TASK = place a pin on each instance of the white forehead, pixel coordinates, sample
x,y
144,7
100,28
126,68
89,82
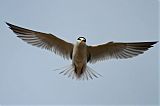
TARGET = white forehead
x,y
82,38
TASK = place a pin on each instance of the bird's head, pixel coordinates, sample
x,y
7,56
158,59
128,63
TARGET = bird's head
x,y
81,40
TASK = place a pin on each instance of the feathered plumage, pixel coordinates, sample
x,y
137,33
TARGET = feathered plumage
x,y
80,53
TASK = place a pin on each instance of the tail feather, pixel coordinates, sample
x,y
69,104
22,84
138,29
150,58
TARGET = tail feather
x,y
94,73
70,71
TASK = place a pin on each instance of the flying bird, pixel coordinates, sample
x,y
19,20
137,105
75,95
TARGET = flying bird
x,y
80,53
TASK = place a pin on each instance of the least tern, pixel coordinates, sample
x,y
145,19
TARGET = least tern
x,y
80,53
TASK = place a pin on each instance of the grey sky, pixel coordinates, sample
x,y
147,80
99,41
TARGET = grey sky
x,y
25,71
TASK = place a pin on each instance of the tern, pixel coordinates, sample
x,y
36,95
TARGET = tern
x,y
80,53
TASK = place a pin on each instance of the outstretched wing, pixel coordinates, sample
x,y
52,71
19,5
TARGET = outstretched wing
x,y
117,50
43,40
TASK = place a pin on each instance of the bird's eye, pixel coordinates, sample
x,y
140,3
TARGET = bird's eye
x,y
78,39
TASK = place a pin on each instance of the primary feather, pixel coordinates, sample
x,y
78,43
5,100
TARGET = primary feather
x,y
117,50
43,40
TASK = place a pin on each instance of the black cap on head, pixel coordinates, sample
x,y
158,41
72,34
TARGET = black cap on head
x,y
82,38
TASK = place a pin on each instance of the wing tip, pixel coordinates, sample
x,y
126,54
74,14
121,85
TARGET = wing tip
x,y
8,24
152,43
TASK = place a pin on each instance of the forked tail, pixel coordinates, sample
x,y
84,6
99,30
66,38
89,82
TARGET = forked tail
x,y
70,71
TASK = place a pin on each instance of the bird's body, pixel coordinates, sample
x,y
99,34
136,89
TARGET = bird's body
x,y
79,58
80,53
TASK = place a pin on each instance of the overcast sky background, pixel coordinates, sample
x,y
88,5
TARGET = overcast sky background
x,y
25,71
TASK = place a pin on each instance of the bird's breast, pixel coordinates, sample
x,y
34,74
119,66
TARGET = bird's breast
x,y
79,59
79,54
